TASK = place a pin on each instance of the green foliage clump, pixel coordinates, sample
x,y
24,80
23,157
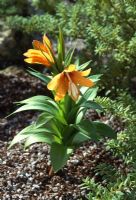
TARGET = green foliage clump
x,y
119,186
11,8
44,5
123,188
124,108
44,23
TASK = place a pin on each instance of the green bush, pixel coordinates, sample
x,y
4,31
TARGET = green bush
x,y
124,109
45,5
119,185
11,8
33,24
121,189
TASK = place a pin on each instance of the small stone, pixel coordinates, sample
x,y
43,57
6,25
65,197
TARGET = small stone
x,y
19,190
75,161
84,154
36,186
30,179
55,189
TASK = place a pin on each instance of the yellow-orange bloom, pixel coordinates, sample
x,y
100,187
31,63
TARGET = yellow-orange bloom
x,y
69,81
41,54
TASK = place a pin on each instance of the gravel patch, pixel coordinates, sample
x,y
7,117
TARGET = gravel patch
x,y
25,174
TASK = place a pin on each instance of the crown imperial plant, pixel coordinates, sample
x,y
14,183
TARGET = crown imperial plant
x,y
61,123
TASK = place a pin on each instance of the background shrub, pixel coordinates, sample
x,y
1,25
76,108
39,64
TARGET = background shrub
x,y
106,27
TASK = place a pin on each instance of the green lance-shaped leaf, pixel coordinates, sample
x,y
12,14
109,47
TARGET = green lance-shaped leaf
x,y
35,106
39,137
28,131
95,130
40,99
55,107
95,78
42,77
104,130
92,105
43,100
80,138
18,138
88,129
71,116
55,126
21,135
42,103
59,155
61,49
77,62
68,58
87,94
43,118
51,123
67,134
80,115
83,66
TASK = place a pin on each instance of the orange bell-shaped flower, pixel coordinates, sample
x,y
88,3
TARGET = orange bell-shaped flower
x,y
41,54
69,81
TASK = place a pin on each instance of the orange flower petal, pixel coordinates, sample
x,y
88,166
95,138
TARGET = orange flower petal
x,y
39,46
44,50
70,68
73,91
32,52
47,42
48,45
55,82
48,57
85,73
37,60
62,89
78,79
41,53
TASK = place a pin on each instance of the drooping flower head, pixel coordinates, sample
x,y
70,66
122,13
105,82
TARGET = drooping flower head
x,y
69,81
41,54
